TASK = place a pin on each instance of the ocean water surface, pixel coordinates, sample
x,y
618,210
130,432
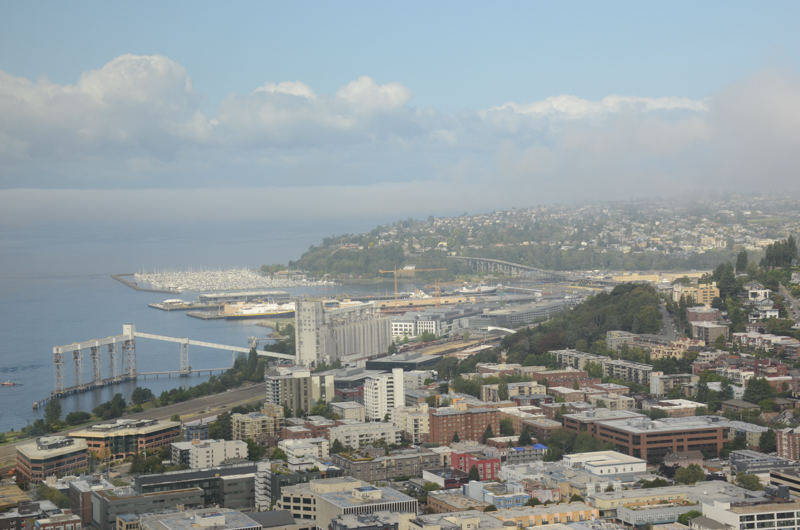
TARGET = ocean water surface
x,y
55,289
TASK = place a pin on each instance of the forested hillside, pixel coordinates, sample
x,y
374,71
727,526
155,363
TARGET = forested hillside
x,y
629,307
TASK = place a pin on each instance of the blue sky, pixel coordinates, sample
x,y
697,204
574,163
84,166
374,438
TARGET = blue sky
x,y
367,99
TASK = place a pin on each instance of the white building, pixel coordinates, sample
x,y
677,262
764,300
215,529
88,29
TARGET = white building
x,y
382,393
416,378
768,513
606,463
210,453
357,434
317,448
349,410
413,422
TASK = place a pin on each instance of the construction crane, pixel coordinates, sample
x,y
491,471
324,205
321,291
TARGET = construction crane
x,y
410,270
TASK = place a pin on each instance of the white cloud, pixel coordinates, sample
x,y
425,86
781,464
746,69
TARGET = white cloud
x,y
136,122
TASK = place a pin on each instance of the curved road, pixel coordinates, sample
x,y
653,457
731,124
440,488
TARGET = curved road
x,y
188,410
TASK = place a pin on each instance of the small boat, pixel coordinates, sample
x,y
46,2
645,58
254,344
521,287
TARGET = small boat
x,y
8,383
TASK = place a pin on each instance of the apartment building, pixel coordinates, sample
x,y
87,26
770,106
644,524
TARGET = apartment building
x,y
357,434
703,314
612,401
788,442
382,393
413,422
211,453
628,371
310,448
255,425
576,359
702,293
469,424
661,384
708,332
50,456
373,464
572,512
297,388
490,393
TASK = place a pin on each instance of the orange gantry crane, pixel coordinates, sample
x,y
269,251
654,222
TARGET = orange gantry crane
x,y
410,270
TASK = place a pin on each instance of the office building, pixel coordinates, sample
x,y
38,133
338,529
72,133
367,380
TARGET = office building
x,y
231,486
272,477
407,361
123,438
108,504
351,331
382,393
753,462
65,520
49,456
587,421
755,514
651,440
216,518
80,496
323,500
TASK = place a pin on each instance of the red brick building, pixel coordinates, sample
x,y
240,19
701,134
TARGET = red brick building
x,y
488,468
295,432
469,424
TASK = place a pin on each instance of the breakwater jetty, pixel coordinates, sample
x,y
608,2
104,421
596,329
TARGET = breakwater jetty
x,y
133,285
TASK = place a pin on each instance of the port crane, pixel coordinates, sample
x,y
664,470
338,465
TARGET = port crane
x,y
409,270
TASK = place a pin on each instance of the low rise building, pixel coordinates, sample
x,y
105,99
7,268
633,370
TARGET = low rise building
x,y
755,463
673,408
446,501
541,427
708,332
108,504
587,421
661,383
684,459
65,520
607,463
755,514
502,495
572,512
446,478
211,453
525,388
373,464
349,410
314,448
80,495
638,373
272,477
49,456
510,456
566,394
355,434
488,468
612,401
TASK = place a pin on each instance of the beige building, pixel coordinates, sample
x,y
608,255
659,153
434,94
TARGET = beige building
x,y
349,410
357,434
701,293
529,388
298,388
540,515
253,426
211,453
612,401
413,422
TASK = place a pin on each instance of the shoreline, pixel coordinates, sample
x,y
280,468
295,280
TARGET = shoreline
x,y
119,278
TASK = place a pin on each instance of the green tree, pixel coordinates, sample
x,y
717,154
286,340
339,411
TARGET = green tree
x,y
279,454
141,395
337,447
488,433
506,427
175,417
741,261
74,418
474,474
221,429
575,498
52,411
690,474
299,413
700,411
684,517
758,389
255,452
502,391
609,488
456,439
490,508
767,442
655,483
748,482
533,501
525,439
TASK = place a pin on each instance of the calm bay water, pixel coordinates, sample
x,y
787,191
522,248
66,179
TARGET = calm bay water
x,y
55,289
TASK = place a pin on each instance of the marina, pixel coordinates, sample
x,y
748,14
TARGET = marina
x,y
222,279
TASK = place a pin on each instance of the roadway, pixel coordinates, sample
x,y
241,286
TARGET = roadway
x,y
669,325
188,410
794,311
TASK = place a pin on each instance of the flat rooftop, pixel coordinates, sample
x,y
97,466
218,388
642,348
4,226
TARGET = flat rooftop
x,y
34,451
345,499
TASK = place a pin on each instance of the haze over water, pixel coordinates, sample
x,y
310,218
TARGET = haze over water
x,y
56,289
